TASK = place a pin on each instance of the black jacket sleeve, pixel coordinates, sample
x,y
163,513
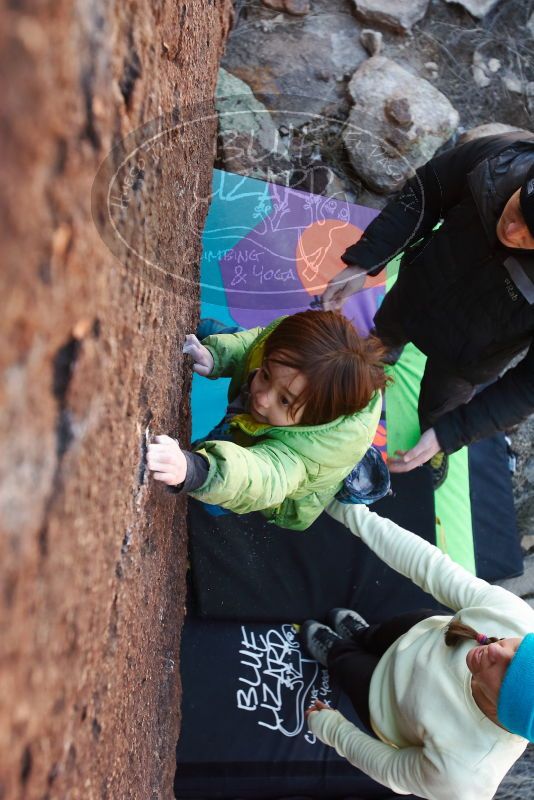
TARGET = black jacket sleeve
x,y
424,199
501,405
195,477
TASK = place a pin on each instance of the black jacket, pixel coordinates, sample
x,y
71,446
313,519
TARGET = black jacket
x,y
461,296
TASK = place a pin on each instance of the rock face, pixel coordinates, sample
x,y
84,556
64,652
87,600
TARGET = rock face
x,y
92,553
397,123
400,15
478,8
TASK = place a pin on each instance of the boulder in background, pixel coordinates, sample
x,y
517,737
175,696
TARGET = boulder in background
x,y
397,123
400,15
249,141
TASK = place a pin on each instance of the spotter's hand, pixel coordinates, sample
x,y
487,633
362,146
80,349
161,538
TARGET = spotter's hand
x,y
426,447
166,461
202,358
347,282
317,706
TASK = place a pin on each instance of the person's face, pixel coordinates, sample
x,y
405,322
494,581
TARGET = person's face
x,y
488,664
512,229
272,391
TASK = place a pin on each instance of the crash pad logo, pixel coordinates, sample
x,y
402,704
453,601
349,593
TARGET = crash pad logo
x,y
284,249
276,683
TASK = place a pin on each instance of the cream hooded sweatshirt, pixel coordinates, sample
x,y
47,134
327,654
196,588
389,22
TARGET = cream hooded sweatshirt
x,y
434,741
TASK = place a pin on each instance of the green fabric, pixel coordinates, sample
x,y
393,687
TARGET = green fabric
x,y
233,354
454,532
291,473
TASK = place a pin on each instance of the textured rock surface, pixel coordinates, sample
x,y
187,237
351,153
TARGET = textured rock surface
x,y
400,15
304,61
478,8
397,123
249,141
92,554
372,41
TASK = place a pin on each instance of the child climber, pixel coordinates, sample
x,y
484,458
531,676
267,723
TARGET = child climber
x,y
304,405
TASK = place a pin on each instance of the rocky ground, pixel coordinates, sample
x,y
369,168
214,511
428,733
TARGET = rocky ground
x,y
324,69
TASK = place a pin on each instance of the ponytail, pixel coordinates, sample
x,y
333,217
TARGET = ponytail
x,y
456,632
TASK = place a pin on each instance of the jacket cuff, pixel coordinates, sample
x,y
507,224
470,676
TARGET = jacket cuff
x,y
197,472
446,434
355,256
215,372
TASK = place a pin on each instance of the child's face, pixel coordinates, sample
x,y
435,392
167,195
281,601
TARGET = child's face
x,y
272,391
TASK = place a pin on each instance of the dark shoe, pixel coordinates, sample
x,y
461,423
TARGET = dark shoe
x,y
439,467
347,623
212,327
318,640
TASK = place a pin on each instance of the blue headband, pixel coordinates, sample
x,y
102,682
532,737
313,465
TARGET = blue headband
x,y
515,706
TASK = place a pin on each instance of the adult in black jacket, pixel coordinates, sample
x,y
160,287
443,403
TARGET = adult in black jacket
x,y
465,291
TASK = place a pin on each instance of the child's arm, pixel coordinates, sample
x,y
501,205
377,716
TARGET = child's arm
x,y
245,479
228,351
241,479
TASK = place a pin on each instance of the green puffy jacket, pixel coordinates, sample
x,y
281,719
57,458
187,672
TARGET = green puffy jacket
x,y
290,474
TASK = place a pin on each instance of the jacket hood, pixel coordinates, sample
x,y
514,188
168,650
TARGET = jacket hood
x,y
492,183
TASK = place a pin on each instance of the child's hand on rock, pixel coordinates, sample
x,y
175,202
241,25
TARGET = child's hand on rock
x,y
167,461
201,355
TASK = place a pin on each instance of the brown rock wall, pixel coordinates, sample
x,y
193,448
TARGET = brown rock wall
x,y
92,553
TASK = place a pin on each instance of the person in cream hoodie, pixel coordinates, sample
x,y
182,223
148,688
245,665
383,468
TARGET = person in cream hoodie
x,y
448,700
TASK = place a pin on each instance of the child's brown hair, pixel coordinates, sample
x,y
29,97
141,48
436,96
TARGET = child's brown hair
x,y
343,370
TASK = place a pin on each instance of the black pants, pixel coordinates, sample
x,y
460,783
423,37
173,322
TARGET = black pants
x,y
351,663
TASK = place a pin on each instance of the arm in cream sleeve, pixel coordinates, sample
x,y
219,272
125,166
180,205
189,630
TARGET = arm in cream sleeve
x,y
409,770
423,563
